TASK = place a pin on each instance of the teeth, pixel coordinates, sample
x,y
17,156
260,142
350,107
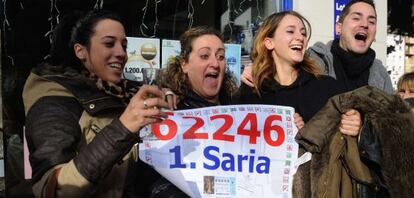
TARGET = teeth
x,y
115,65
362,33
296,47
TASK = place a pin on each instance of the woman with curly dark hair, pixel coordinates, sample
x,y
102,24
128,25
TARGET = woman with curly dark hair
x,y
198,75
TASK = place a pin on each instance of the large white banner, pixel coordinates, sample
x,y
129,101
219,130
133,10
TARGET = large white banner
x,y
226,151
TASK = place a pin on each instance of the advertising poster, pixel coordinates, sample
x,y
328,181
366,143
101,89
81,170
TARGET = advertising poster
x,y
233,58
338,7
142,53
170,49
236,151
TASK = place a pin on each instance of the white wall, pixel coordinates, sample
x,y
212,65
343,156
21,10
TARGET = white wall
x,y
396,59
320,14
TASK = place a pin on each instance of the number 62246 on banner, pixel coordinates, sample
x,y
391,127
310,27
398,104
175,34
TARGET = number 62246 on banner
x,y
273,133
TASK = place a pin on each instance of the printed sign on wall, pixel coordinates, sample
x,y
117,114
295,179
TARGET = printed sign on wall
x,y
170,49
233,56
338,7
142,53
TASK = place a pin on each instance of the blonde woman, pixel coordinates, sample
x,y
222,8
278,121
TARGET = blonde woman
x,y
405,87
283,74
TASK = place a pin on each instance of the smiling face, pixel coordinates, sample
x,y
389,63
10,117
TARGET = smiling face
x,y
106,55
205,66
289,41
357,30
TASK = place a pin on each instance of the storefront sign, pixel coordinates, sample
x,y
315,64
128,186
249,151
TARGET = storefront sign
x,y
338,7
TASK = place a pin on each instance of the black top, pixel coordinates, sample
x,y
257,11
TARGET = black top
x,y
307,94
410,101
192,100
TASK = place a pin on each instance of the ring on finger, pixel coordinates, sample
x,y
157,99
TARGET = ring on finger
x,y
169,93
145,104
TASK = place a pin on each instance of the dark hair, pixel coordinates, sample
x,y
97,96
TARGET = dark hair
x,y
347,7
77,27
187,38
177,80
60,51
263,63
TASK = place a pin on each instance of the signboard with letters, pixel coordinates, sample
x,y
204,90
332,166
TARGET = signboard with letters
x,y
338,7
225,151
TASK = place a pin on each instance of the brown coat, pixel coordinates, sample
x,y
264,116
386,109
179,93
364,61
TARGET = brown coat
x,y
338,167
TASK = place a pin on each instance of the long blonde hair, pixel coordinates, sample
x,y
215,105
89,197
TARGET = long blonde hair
x,y
263,63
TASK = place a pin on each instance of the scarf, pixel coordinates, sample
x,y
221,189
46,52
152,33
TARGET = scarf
x,y
351,69
124,89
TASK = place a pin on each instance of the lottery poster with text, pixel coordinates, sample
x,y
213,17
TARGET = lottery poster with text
x,y
231,151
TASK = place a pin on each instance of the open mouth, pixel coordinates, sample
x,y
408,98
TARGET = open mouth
x,y
212,75
296,47
361,36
